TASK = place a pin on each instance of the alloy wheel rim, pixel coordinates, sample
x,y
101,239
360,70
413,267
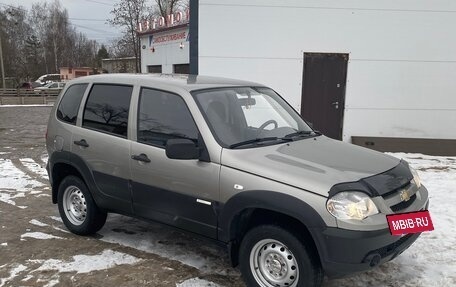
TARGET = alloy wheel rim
x,y
74,205
273,264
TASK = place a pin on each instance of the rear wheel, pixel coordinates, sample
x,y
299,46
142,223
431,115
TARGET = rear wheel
x,y
271,256
77,208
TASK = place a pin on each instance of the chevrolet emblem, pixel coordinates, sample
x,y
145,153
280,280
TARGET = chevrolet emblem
x,y
405,196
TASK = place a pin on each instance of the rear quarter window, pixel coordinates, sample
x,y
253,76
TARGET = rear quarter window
x,y
69,105
107,109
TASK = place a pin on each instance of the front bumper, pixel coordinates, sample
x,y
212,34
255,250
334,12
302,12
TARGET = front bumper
x,y
343,251
349,252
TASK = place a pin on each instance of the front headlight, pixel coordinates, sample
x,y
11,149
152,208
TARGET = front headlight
x,y
351,205
416,177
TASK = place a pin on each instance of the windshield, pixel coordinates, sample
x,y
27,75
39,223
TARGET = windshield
x,y
249,116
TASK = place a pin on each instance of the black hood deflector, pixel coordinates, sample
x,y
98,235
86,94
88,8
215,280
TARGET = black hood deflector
x,y
380,184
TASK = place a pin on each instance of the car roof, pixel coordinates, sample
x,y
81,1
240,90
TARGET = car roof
x,y
186,82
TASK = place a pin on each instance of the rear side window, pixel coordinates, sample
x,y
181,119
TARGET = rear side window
x,y
69,105
164,116
107,108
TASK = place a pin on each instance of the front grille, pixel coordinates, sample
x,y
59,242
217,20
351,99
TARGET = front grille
x,y
403,204
395,199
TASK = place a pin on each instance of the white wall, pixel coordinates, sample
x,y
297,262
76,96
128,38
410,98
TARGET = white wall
x,y
166,54
401,79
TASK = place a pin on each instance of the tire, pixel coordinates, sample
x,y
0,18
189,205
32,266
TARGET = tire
x,y
271,256
78,210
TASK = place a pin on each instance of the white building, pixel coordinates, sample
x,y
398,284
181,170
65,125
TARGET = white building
x,y
164,47
380,74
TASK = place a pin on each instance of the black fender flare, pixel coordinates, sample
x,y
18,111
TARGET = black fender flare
x,y
272,201
77,163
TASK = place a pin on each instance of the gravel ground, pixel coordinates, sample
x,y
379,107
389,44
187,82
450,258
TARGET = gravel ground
x,y
36,249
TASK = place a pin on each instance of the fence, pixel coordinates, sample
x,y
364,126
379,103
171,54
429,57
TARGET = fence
x,y
27,97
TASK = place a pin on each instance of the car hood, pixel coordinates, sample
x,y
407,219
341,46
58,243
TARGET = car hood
x,y
314,164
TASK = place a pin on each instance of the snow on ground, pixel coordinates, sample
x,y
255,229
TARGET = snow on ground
x,y
197,282
56,218
87,263
18,268
14,179
37,223
165,242
34,167
80,264
39,235
44,158
14,182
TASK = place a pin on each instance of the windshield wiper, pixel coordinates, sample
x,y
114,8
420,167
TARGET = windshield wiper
x,y
257,140
301,134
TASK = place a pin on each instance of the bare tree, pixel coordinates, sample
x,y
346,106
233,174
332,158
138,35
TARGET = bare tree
x,y
41,40
127,14
168,7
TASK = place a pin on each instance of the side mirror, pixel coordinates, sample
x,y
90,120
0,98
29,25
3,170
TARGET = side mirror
x,y
181,149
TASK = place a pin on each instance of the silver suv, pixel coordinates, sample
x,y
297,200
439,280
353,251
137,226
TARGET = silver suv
x,y
232,161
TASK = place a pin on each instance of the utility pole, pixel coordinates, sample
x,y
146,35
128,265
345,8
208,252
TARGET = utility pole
x,y
1,62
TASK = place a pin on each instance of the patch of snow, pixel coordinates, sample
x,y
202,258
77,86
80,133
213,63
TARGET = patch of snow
x,y
52,283
60,229
34,167
44,158
56,218
12,274
88,263
42,195
9,195
167,243
197,282
35,191
27,278
37,223
14,179
4,152
14,182
39,235
4,244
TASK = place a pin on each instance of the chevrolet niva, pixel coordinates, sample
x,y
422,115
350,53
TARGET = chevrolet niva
x,y
232,161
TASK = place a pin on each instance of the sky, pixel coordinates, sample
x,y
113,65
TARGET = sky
x,y
88,16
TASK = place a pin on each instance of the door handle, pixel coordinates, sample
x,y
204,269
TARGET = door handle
x,y
142,157
335,104
81,143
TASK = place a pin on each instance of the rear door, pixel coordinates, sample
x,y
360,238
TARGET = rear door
x,y
101,142
182,193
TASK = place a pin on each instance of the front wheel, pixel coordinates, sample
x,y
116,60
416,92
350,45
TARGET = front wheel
x,y
271,256
78,210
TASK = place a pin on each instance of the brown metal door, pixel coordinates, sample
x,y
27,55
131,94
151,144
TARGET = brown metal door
x,y
323,92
